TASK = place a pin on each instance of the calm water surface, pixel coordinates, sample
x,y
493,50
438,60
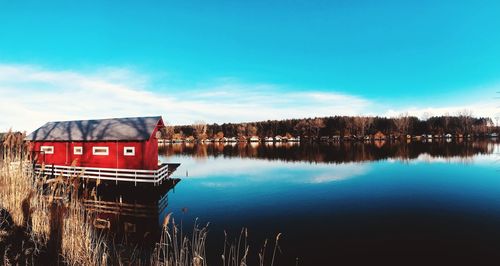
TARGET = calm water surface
x,y
337,204
346,202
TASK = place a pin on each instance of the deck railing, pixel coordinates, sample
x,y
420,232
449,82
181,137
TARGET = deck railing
x,y
112,174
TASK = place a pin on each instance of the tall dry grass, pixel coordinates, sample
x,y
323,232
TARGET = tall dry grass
x,y
56,224
236,252
50,226
43,210
176,248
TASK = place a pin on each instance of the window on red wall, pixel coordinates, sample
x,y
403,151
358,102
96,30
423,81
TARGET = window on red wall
x,y
100,151
129,151
77,150
47,149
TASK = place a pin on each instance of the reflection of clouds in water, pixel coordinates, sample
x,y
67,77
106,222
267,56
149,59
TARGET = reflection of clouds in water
x,y
224,171
217,167
341,172
479,159
427,158
219,184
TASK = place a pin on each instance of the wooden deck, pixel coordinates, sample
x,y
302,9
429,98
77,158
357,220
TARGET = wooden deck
x,y
135,176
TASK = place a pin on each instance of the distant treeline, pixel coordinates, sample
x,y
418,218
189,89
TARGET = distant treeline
x,y
339,126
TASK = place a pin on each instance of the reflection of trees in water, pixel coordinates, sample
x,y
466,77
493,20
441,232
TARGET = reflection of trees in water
x,y
339,152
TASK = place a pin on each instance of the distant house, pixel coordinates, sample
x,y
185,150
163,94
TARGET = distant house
x,y
268,139
494,135
448,136
379,136
96,146
278,138
232,139
254,139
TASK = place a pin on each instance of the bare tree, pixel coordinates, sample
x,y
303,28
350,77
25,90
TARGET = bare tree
x,y
309,127
168,131
302,128
402,123
446,121
200,129
362,124
368,124
359,124
241,130
251,130
316,125
465,117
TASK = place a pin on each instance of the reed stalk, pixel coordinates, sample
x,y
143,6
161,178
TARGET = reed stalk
x,y
43,222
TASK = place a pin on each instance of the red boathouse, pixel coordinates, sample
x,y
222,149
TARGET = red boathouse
x,y
121,149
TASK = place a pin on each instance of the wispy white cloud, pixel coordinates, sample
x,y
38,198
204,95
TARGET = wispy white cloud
x,y
31,95
488,108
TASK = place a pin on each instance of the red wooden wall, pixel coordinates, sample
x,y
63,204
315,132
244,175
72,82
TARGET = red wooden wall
x,y
146,153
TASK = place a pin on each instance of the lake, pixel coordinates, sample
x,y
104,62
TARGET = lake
x,y
343,203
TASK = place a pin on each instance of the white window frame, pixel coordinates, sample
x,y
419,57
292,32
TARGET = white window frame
x,y
100,153
51,148
75,150
125,153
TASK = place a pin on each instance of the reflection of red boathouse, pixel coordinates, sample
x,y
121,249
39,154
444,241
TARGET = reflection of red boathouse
x,y
118,149
128,212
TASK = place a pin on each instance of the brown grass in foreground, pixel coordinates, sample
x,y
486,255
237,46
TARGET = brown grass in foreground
x,y
42,222
55,224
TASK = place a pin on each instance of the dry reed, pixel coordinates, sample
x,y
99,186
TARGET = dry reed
x,y
50,225
175,248
236,253
55,224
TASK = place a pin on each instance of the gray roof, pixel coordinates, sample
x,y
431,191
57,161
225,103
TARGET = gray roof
x,y
132,128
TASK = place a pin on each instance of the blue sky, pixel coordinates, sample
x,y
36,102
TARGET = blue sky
x,y
246,60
